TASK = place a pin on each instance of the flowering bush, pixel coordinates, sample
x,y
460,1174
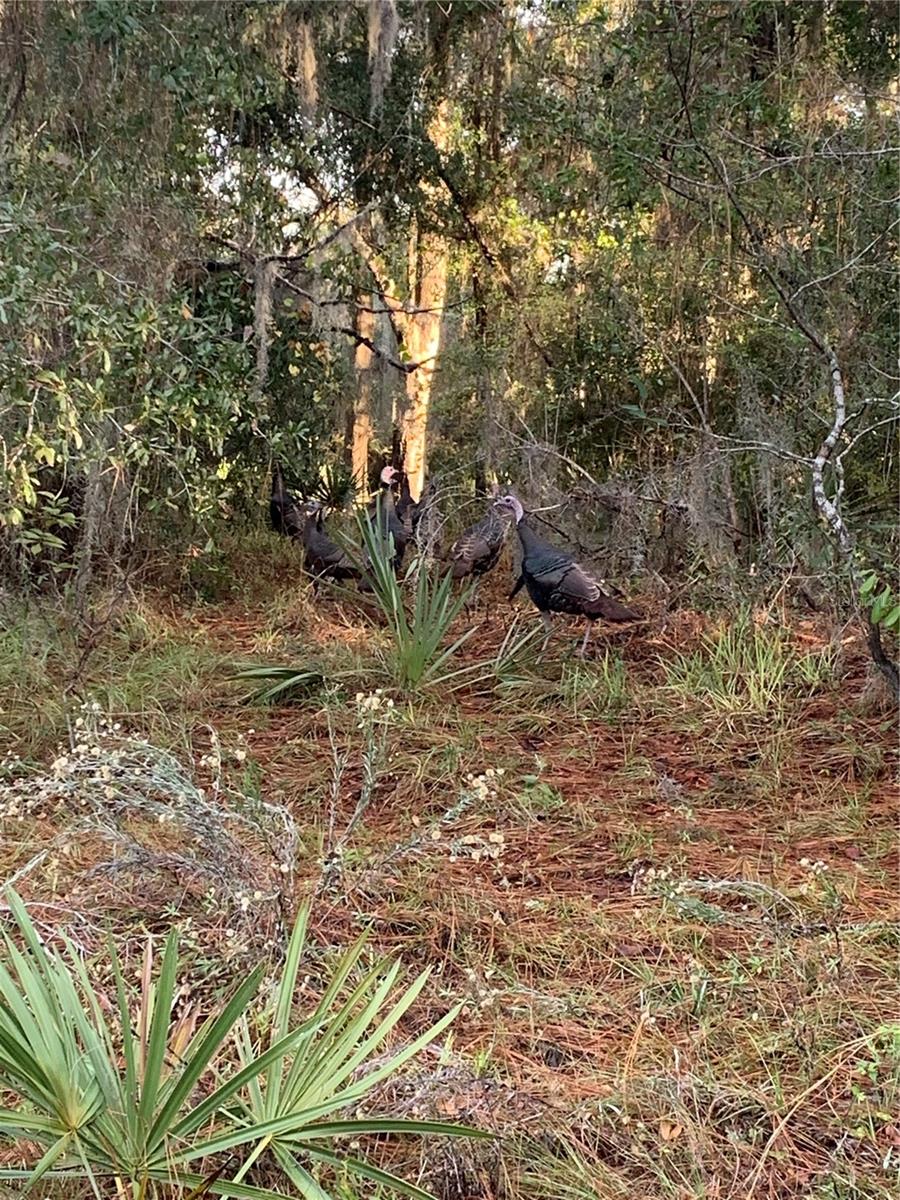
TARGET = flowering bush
x,y
234,852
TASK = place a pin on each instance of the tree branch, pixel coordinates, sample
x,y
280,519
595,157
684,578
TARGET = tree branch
x,y
489,257
354,335
829,508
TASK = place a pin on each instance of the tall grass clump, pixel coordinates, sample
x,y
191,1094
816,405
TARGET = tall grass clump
x,y
598,690
136,1104
743,668
419,656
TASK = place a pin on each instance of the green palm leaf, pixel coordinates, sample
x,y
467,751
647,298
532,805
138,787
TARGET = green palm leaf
x,y
102,1101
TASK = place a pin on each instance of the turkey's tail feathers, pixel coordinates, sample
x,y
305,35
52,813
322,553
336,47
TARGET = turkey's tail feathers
x,y
609,609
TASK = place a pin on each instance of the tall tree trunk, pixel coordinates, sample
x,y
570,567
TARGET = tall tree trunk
x,y
422,337
362,410
484,458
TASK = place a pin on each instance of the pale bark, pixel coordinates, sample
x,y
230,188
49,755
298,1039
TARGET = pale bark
x,y
422,338
263,281
362,413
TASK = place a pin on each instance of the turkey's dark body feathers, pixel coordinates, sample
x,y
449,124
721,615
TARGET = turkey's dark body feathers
x,y
285,514
389,523
557,583
322,555
477,550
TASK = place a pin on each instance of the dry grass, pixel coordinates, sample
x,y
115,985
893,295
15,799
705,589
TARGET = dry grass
x,y
676,922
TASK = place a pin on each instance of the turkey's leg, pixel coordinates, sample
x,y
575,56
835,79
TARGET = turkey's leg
x,y
547,621
587,633
471,605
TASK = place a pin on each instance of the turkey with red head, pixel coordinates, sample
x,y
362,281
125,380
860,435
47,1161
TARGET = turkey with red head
x,y
382,514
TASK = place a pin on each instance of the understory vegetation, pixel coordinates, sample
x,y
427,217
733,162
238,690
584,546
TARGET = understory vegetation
x,y
661,883
330,879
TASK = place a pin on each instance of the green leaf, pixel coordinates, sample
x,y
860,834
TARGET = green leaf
x,y
880,606
160,1023
868,584
203,1047
374,1174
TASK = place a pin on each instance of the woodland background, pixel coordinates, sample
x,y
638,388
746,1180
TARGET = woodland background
x,y
606,252
636,261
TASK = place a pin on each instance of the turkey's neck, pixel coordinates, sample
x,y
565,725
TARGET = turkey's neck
x,y
528,538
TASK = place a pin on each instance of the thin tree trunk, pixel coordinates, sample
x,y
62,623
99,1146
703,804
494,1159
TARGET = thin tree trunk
x,y
94,510
362,411
484,461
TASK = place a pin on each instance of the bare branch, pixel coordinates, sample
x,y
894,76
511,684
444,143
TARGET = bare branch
x,y
354,335
851,262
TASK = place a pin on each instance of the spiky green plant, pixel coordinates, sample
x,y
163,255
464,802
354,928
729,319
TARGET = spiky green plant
x,y
142,1107
419,656
335,486
275,683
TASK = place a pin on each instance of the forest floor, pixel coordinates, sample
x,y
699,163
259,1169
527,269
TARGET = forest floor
x,y
664,880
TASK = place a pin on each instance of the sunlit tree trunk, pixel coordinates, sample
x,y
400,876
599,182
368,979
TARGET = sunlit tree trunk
x,y
362,411
422,337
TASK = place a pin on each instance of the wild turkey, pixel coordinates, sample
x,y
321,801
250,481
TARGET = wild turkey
x,y
405,504
390,522
556,582
410,512
322,556
285,514
385,512
478,548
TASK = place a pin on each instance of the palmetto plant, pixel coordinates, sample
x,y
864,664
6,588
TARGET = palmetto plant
x,y
335,486
278,684
141,1106
417,633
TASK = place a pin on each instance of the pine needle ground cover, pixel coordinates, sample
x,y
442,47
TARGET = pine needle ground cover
x,y
662,883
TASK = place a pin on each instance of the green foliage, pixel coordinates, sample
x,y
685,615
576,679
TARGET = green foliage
x,y
276,684
743,668
600,688
419,657
883,604
335,486
149,1102
161,151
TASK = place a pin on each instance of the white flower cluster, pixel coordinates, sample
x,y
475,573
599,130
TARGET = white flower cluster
x,y
245,899
214,759
482,786
656,881
484,995
479,848
817,867
10,763
35,795
373,702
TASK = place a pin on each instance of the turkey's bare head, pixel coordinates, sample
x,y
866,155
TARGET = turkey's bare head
x,y
510,505
389,476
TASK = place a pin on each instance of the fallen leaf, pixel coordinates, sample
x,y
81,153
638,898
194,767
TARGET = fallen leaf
x,y
669,1131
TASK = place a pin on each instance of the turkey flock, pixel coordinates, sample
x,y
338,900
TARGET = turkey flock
x,y
554,580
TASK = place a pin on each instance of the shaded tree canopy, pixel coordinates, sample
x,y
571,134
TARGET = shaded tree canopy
x,y
597,249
